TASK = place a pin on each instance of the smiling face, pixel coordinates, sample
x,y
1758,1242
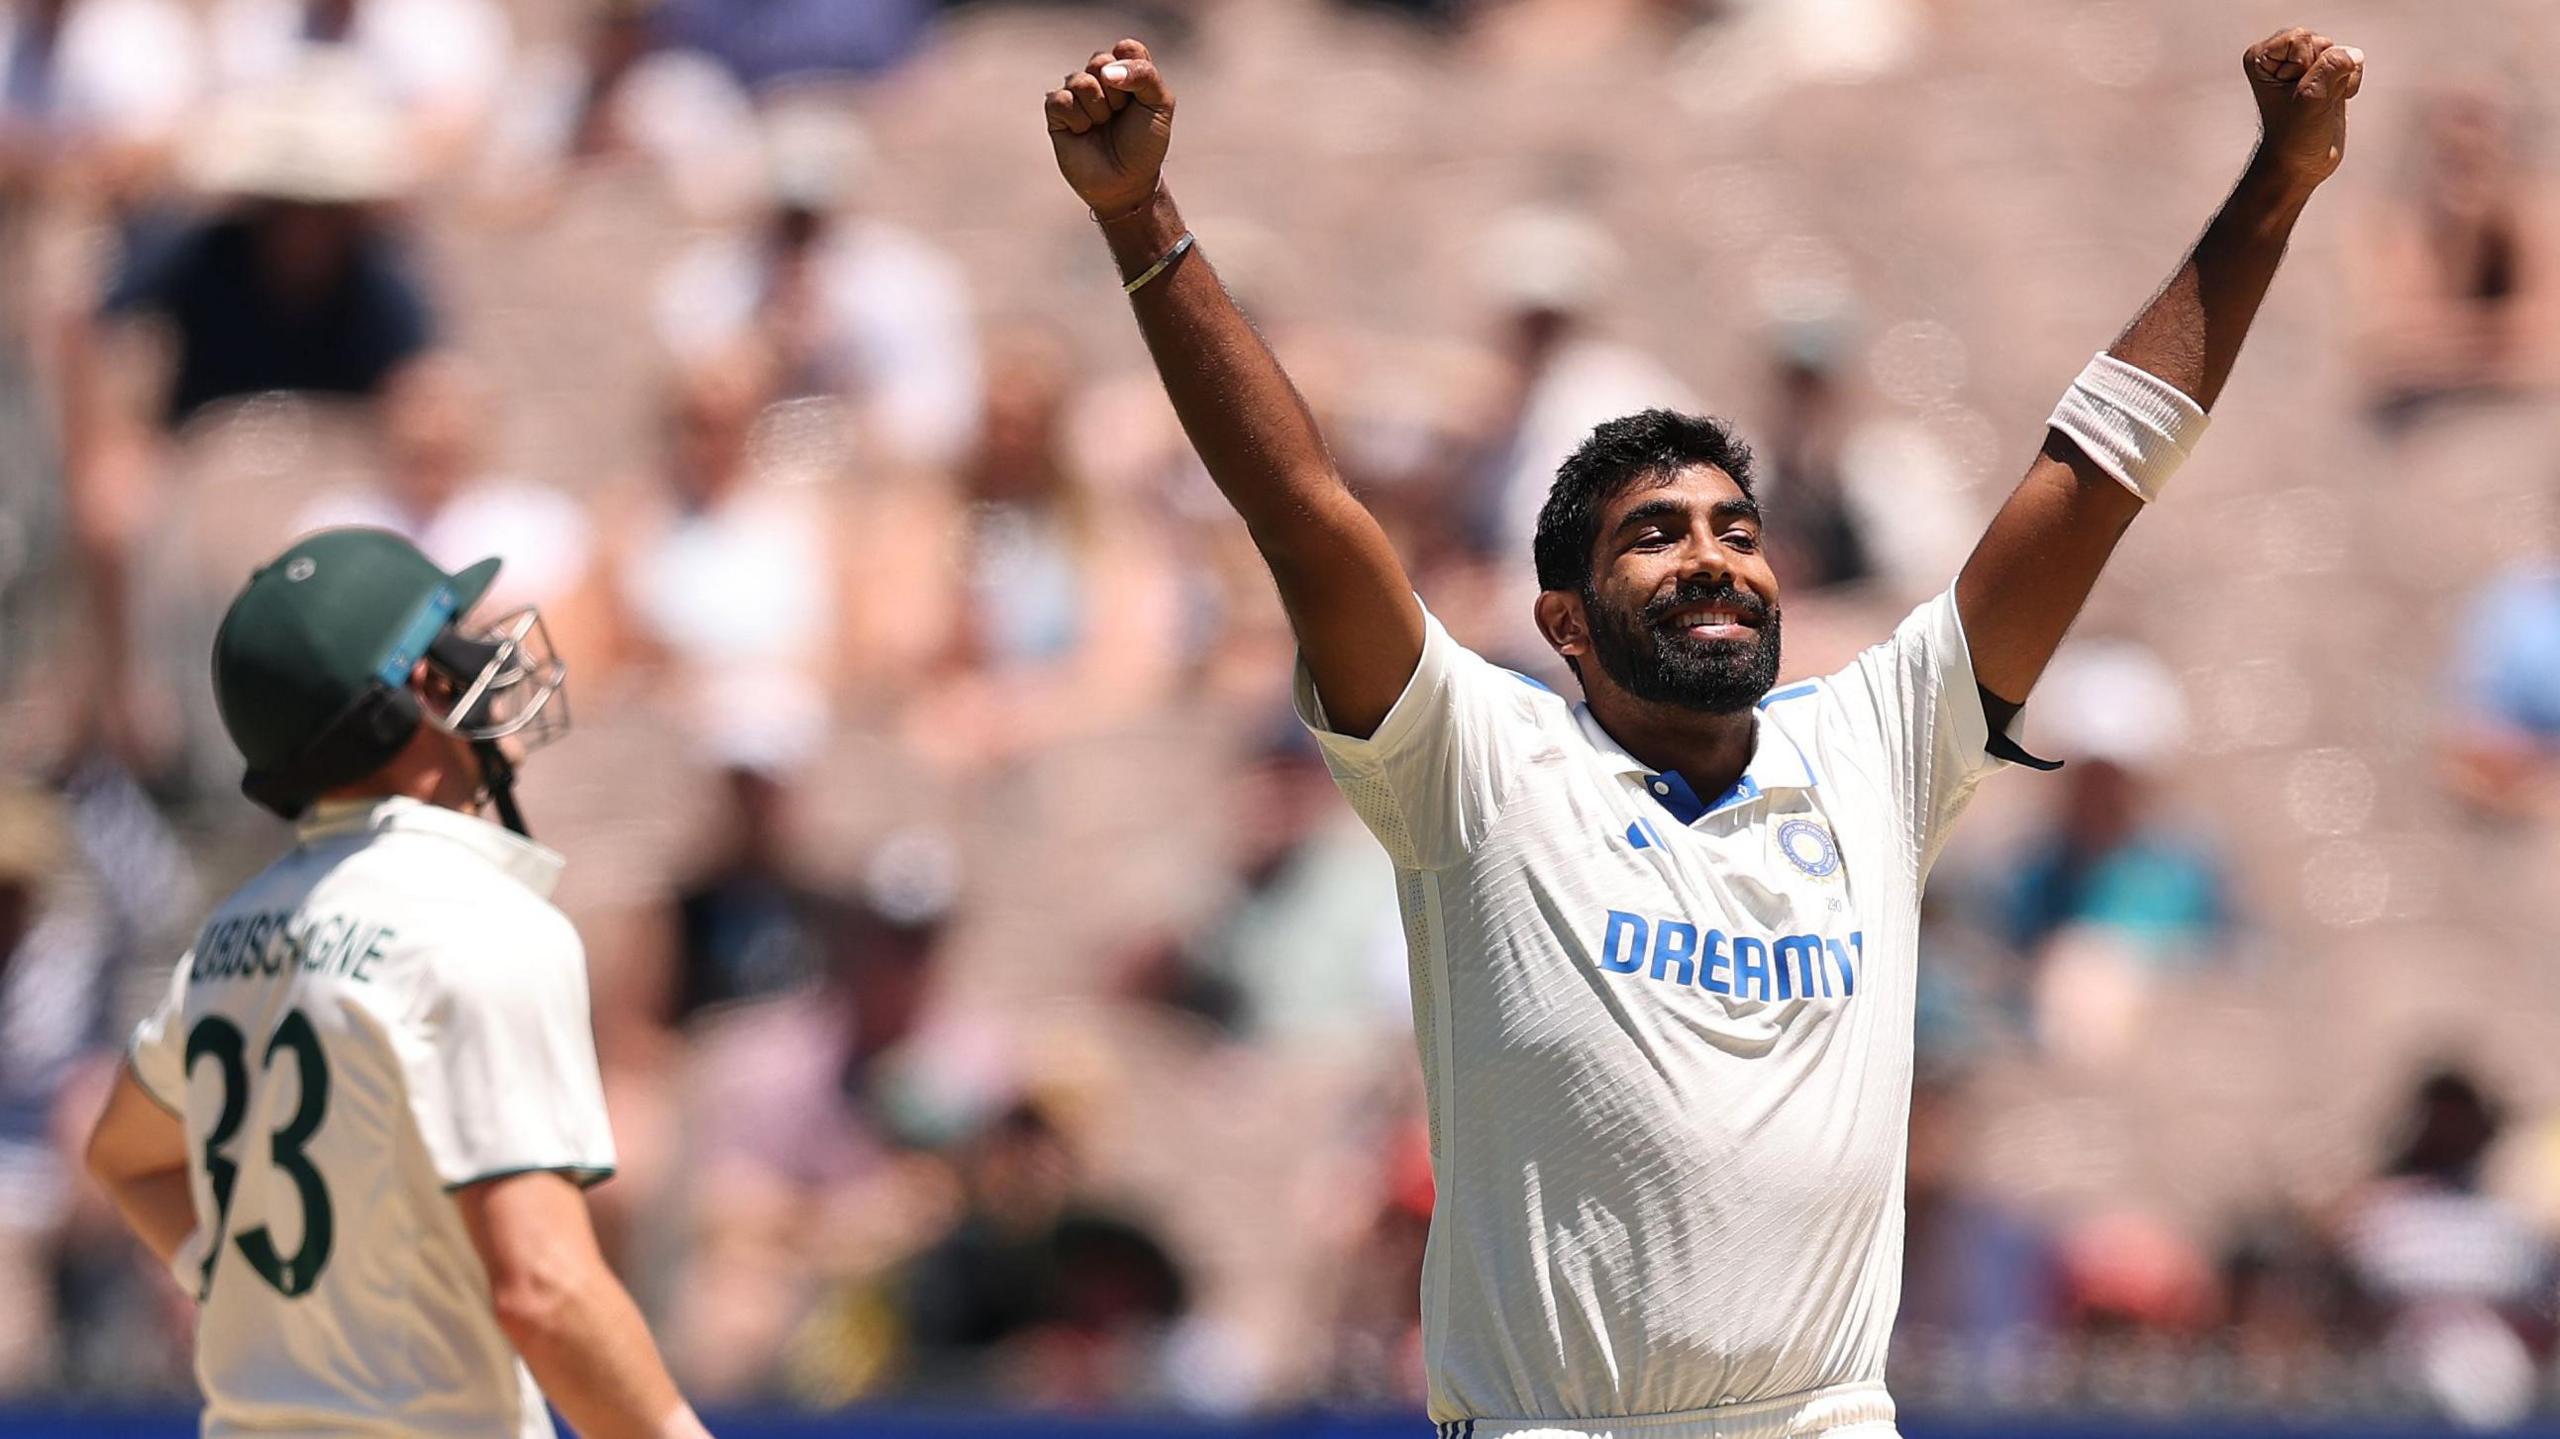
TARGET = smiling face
x,y
1680,606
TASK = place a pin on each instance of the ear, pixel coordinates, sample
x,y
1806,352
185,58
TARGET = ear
x,y
1564,622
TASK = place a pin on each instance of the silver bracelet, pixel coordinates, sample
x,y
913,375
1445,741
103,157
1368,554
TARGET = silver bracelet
x,y
1180,248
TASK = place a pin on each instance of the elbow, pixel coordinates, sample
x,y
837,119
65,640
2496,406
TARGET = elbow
x,y
99,1159
110,1157
536,1307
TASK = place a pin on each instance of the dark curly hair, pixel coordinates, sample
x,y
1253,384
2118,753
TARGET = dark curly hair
x,y
1618,453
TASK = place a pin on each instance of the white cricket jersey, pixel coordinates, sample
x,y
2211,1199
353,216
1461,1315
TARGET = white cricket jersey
x,y
1667,1039
389,1013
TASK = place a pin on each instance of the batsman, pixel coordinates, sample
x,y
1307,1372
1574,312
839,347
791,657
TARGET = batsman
x,y
1663,939
359,1124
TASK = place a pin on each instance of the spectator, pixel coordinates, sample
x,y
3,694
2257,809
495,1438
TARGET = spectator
x,y
763,42
2107,895
54,982
1064,598
1853,497
2106,861
726,585
299,282
747,926
617,42
438,492
1035,1294
2505,738
2458,1274
1547,269
610,94
849,305
1310,944
1376,1324
815,1112
1816,525
2116,716
95,92
2457,282
2289,1307
438,63
1977,1273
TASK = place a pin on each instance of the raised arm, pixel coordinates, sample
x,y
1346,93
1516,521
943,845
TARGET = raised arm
x,y
1358,625
2032,571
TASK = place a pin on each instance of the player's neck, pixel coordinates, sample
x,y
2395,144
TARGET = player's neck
x,y
1710,751
424,770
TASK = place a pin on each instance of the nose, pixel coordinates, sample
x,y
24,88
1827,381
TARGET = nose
x,y
1704,560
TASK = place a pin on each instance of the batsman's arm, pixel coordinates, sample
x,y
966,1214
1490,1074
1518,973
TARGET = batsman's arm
x,y
564,1311
1358,626
138,1154
2034,567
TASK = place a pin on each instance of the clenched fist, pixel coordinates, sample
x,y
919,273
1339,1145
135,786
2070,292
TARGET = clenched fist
x,y
2302,82
1110,124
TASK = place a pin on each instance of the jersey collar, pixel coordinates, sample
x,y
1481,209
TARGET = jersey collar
x,y
1777,762
520,859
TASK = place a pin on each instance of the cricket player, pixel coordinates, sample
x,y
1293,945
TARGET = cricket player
x,y
358,1126
1662,940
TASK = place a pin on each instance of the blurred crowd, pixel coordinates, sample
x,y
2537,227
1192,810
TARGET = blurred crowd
x,y
997,1004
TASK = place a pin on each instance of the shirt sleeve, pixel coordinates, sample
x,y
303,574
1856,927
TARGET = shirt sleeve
x,y
158,1051
501,1064
1914,699
1432,778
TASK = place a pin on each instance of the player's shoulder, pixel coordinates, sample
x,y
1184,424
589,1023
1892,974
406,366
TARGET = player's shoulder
x,y
450,894
1523,706
1532,696
1798,706
1526,692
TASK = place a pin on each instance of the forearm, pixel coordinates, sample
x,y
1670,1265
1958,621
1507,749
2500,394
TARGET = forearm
x,y
1251,428
1350,604
1358,625
137,1152
159,1208
589,1348
2119,434
2042,556
2190,333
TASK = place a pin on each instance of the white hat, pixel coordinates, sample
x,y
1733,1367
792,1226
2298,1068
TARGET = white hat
x,y
816,152
326,137
2112,700
1544,258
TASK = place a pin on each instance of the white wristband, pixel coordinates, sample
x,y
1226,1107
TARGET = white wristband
x,y
2130,423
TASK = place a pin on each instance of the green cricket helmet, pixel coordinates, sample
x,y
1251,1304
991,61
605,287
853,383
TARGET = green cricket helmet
x,y
312,666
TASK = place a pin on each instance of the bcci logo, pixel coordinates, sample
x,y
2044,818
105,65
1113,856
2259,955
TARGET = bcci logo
x,y
1808,847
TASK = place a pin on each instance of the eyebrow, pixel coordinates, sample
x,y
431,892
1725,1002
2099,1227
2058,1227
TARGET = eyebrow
x,y
1742,507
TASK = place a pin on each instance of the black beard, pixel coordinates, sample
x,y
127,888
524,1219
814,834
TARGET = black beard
x,y
1668,667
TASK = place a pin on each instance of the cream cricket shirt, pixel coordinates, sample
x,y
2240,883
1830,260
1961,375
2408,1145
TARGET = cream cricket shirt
x,y
389,1013
1667,1039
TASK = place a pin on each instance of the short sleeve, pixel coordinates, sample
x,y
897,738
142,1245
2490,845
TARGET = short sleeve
x,y
1430,781
158,1051
501,1064
1914,698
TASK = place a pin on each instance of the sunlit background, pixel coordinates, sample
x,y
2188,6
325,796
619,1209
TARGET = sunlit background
x,y
1001,1015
